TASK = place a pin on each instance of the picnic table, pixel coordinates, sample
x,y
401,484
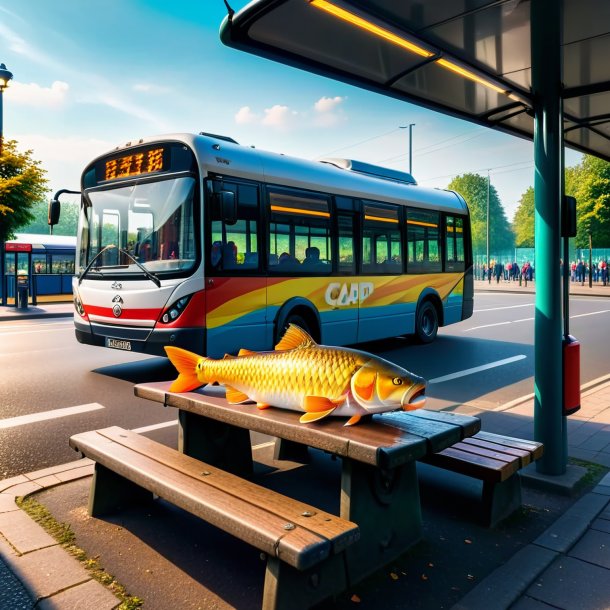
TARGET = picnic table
x,y
378,487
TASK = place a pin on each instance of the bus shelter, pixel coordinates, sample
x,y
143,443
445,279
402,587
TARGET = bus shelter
x,y
535,69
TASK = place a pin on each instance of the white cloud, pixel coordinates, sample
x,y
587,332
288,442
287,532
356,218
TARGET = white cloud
x,y
279,117
33,94
328,111
328,104
245,116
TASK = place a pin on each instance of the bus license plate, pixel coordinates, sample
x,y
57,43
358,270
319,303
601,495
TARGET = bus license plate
x,y
118,344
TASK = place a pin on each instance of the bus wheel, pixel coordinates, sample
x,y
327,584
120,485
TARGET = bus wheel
x,y
295,319
426,324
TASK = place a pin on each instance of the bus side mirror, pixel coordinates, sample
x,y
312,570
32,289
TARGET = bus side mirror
x,y
228,207
568,217
53,212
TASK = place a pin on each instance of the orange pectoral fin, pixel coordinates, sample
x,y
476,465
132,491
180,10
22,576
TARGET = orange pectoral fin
x,y
307,418
235,397
353,420
363,382
316,404
262,405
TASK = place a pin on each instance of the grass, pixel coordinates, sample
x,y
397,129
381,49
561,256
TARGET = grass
x,y
595,472
64,535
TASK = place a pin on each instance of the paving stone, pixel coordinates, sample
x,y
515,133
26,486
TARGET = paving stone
x,y
601,525
7,503
23,533
594,547
572,583
527,603
6,483
87,596
23,489
47,481
60,468
48,571
76,473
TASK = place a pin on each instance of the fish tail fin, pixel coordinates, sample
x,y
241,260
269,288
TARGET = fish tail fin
x,y
185,363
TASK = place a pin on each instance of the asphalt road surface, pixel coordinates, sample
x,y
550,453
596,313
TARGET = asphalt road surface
x,y
52,387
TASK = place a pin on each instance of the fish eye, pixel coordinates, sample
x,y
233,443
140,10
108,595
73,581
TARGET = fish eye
x,y
397,381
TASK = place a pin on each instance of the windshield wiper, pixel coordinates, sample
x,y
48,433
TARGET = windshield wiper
x,y
88,267
149,274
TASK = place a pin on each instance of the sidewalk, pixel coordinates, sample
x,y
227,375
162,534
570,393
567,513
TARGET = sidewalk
x,y
63,309
530,562
576,289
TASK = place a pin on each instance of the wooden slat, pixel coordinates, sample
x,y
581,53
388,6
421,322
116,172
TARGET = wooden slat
x,y
480,467
535,448
524,457
238,515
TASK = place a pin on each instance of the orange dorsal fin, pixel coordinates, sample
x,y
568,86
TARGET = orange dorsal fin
x,y
229,357
353,420
294,337
246,352
262,405
186,364
307,418
363,382
317,404
235,397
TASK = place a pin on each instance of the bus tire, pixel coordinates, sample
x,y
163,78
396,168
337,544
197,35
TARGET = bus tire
x,y
295,319
426,322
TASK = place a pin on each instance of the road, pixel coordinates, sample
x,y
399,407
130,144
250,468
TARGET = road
x,y
52,387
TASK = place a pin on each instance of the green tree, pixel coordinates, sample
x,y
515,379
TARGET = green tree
x,y
22,184
473,188
592,192
523,223
68,220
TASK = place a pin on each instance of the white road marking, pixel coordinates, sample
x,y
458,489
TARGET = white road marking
x,y
165,424
32,332
467,330
477,369
507,307
592,313
33,418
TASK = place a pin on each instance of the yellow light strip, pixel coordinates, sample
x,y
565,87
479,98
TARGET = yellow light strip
x,y
370,27
454,230
380,219
402,42
468,74
279,208
422,224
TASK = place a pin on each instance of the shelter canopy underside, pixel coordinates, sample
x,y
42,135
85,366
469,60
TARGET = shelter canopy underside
x,y
466,58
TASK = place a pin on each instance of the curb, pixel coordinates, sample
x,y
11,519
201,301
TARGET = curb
x,y
52,578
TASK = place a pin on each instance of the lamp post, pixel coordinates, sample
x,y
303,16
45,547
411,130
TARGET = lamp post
x,y
410,126
5,77
487,230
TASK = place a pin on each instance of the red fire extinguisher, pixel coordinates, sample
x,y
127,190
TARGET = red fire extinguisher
x,y
571,375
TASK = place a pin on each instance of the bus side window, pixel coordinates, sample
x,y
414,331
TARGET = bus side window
x,y
454,243
381,245
234,247
347,261
423,241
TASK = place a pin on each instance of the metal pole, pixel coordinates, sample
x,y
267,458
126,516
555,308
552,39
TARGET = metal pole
x,y
2,236
590,258
549,422
411,148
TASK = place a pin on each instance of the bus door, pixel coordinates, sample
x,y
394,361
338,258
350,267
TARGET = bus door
x,y
381,293
236,299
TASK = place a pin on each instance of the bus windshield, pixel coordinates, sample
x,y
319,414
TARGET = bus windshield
x,y
150,222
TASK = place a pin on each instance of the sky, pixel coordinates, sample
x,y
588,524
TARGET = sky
x,y
91,75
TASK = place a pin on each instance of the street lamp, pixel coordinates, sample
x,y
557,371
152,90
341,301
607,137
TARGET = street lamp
x,y
487,230
410,126
5,77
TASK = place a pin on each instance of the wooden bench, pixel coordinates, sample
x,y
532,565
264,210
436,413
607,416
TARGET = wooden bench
x,y
495,460
304,546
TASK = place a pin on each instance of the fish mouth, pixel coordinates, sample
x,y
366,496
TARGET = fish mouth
x,y
414,397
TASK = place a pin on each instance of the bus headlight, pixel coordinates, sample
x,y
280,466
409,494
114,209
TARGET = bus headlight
x,y
78,305
174,310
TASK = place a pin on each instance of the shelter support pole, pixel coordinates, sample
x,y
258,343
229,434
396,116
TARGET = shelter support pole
x,y
549,422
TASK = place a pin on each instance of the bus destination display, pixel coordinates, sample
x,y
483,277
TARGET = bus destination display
x,y
136,164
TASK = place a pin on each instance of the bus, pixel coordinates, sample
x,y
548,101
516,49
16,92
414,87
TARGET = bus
x,y
47,260
202,243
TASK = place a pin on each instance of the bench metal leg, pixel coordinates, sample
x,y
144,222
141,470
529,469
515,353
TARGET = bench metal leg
x,y
287,588
111,492
501,499
387,509
215,443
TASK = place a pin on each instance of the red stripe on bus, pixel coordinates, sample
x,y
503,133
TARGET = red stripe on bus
x,y
126,314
